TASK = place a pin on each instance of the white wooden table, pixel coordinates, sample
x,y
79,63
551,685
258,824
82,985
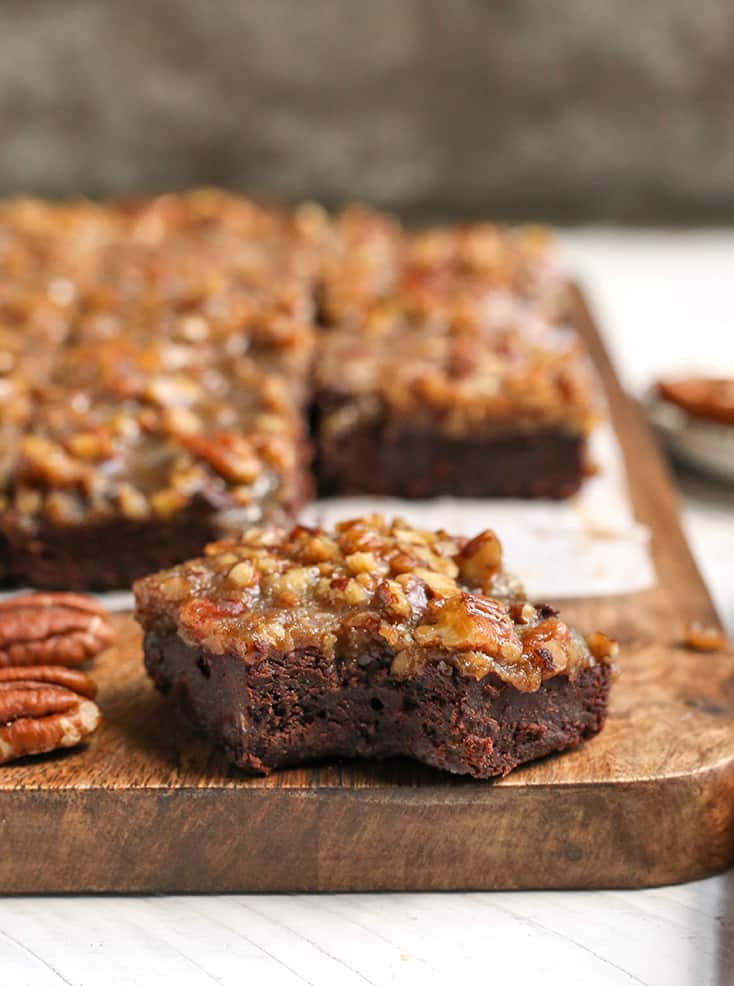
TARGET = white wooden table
x,y
664,301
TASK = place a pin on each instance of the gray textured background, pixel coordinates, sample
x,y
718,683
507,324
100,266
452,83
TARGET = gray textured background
x,y
585,109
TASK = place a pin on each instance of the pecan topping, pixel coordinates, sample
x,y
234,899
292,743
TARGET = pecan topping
x,y
370,586
548,643
52,628
480,559
44,709
471,623
229,454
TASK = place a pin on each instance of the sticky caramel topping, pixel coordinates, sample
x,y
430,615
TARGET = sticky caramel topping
x,y
154,357
473,366
457,328
150,443
368,259
199,268
367,588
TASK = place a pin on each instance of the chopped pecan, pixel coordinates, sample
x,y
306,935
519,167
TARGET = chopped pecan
x,y
480,559
231,455
470,623
52,628
603,648
44,709
547,644
705,638
91,446
47,462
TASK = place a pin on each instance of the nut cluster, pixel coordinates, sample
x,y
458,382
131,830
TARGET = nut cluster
x,y
46,702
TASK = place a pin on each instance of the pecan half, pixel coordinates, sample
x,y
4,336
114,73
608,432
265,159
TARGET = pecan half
x,y
44,708
52,674
52,628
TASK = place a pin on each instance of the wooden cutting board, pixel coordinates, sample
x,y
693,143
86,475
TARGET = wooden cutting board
x,y
145,807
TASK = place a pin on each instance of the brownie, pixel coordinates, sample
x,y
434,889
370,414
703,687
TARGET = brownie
x,y
148,462
155,380
374,640
483,396
384,458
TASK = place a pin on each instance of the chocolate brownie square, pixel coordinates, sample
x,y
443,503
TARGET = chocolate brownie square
x,y
487,399
156,373
374,640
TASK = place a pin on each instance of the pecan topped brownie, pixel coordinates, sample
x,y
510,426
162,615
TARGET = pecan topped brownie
x,y
481,396
138,448
450,367
157,368
374,640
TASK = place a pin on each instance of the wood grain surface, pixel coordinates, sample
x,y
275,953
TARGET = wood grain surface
x,y
144,807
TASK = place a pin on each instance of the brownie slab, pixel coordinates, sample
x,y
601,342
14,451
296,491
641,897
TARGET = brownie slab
x,y
463,379
376,640
154,361
105,553
128,466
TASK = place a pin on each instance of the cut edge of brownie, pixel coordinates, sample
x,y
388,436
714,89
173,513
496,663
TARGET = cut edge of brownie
x,y
112,552
383,459
278,712
104,554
